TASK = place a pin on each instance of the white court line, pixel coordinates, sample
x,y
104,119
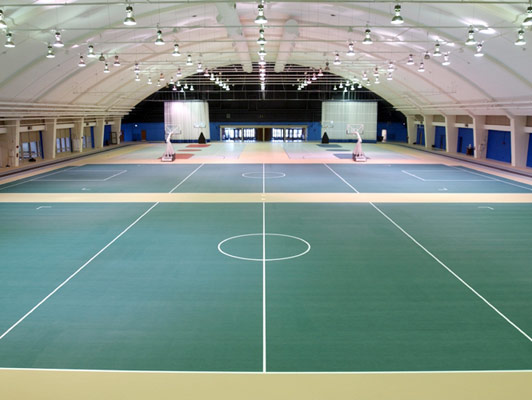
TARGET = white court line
x,y
263,287
37,178
415,176
188,176
449,269
452,272
494,179
263,179
136,371
112,176
77,271
347,183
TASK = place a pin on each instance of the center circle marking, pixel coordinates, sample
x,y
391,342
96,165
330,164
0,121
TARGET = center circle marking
x,y
266,259
267,175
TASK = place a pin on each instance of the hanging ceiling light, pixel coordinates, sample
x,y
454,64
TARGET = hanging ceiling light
x,y
397,19
367,38
117,61
261,19
106,69
376,72
50,53
129,20
159,41
212,77
320,72
174,88
101,58
176,52
206,73
327,69
178,84
9,40
377,81
479,52
470,37
351,51
337,59
81,62
137,78
391,66
91,53
446,59
58,42
262,51
341,85
191,88
437,51
359,86
179,72
171,81
189,60
314,77
334,87
410,60
528,19
200,67
158,84
261,40
149,80
161,77
520,37
421,67
364,76
3,24
186,86
389,77
262,61
137,68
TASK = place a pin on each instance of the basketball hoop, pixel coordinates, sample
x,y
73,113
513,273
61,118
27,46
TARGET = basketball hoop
x,y
172,132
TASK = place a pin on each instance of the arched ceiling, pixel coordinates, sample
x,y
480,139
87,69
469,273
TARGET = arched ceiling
x,y
220,33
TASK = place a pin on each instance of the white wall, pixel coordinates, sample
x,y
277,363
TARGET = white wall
x,y
188,115
343,113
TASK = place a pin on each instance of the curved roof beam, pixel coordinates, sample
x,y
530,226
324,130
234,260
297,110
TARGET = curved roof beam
x,y
290,33
228,16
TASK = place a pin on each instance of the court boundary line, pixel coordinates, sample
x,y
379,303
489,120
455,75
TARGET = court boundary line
x,y
409,372
495,179
188,176
452,272
121,171
347,183
488,179
263,271
36,178
446,267
76,272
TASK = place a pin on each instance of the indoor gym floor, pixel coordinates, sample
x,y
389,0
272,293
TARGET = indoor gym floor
x,y
408,272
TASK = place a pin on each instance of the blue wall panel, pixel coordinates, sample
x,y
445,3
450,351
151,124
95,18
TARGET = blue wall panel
x,y
465,138
420,135
529,156
154,131
499,146
107,135
439,138
395,131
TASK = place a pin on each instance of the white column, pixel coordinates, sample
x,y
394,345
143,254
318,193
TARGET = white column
x,y
49,138
451,134
429,130
117,127
77,135
13,142
519,141
480,136
411,129
98,133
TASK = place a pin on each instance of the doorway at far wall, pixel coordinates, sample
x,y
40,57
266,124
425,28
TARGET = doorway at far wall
x,y
143,135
